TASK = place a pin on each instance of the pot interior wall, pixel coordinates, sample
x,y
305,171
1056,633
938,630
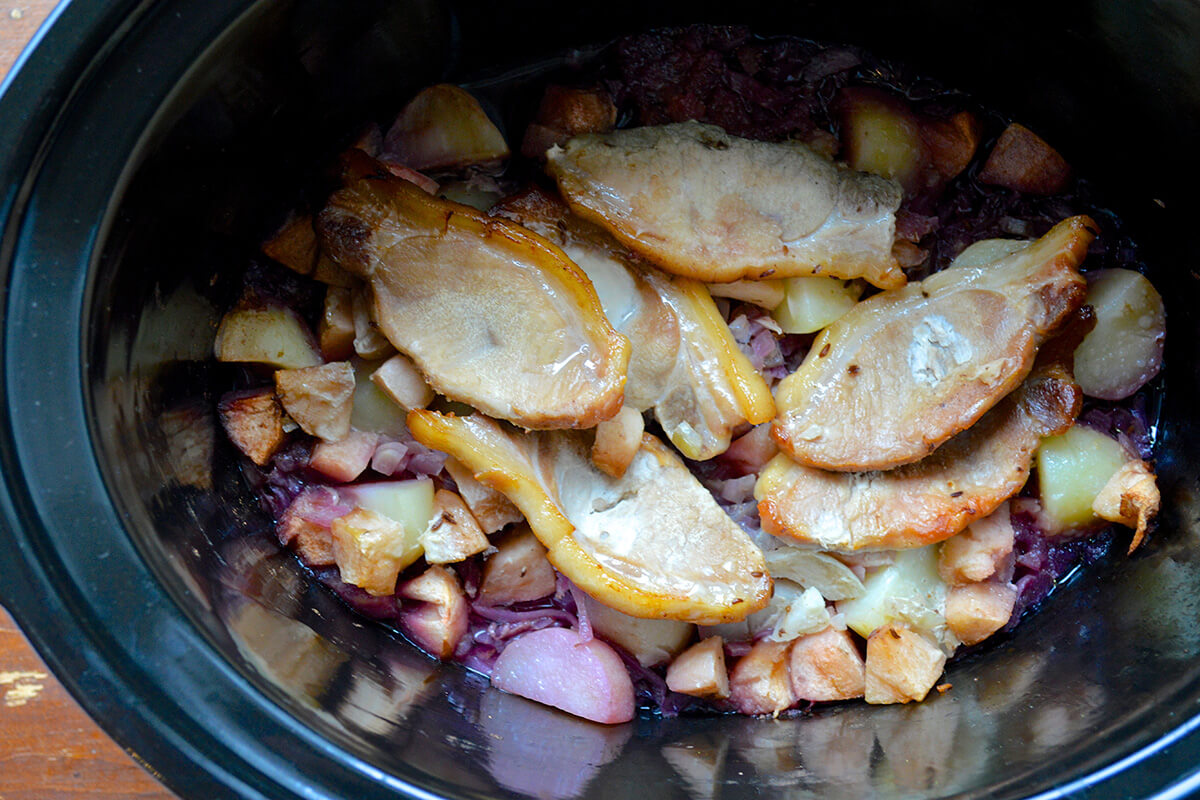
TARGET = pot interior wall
x,y
1087,680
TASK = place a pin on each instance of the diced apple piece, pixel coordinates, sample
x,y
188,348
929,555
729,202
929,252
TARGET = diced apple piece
x,y
492,510
369,341
700,670
1131,498
617,441
814,302
907,590
336,331
274,336
518,571
565,112
1023,161
319,399
439,623
826,666
811,569
294,245
453,535
752,450
988,251
400,380
1125,349
409,503
253,421
902,665
951,143
312,541
977,610
373,410
444,127
371,550
767,293
977,552
345,459
650,641
759,683
1072,469
881,135
555,666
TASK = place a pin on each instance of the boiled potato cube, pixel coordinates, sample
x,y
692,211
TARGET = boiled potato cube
x,y
882,135
907,590
271,335
1125,349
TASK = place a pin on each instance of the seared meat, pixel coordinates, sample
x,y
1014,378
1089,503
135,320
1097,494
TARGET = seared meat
x,y
933,499
651,544
684,363
706,205
905,370
492,314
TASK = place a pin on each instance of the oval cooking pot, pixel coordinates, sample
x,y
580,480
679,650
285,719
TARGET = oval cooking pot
x,y
142,143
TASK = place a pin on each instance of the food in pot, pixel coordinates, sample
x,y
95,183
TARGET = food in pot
x,y
765,375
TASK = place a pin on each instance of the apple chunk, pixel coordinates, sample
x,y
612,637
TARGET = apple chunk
x,y
271,335
441,619
882,135
371,550
319,399
811,303
253,421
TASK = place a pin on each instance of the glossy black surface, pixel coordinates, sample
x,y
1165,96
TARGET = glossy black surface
x,y
143,146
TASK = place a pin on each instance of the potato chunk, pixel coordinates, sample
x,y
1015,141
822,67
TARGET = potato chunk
x,y
826,666
977,610
902,665
270,335
1022,160
319,399
294,245
336,330
1072,469
650,641
700,670
444,127
1125,349
400,380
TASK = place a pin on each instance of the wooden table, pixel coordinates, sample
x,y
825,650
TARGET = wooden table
x,y
49,748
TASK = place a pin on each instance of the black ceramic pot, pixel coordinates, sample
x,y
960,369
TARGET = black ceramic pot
x,y
140,145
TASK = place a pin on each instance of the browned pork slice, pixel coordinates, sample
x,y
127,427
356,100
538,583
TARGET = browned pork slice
x,y
684,361
706,205
933,499
492,314
903,371
652,543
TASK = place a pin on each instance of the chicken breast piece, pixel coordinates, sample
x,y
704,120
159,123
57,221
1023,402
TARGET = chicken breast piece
x,y
492,314
903,371
684,362
652,544
933,499
706,205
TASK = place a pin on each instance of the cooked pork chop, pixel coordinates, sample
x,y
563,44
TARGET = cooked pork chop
x,y
706,205
652,543
492,314
935,498
684,361
905,370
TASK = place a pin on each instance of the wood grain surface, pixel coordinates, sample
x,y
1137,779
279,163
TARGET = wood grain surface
x,y
50,748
